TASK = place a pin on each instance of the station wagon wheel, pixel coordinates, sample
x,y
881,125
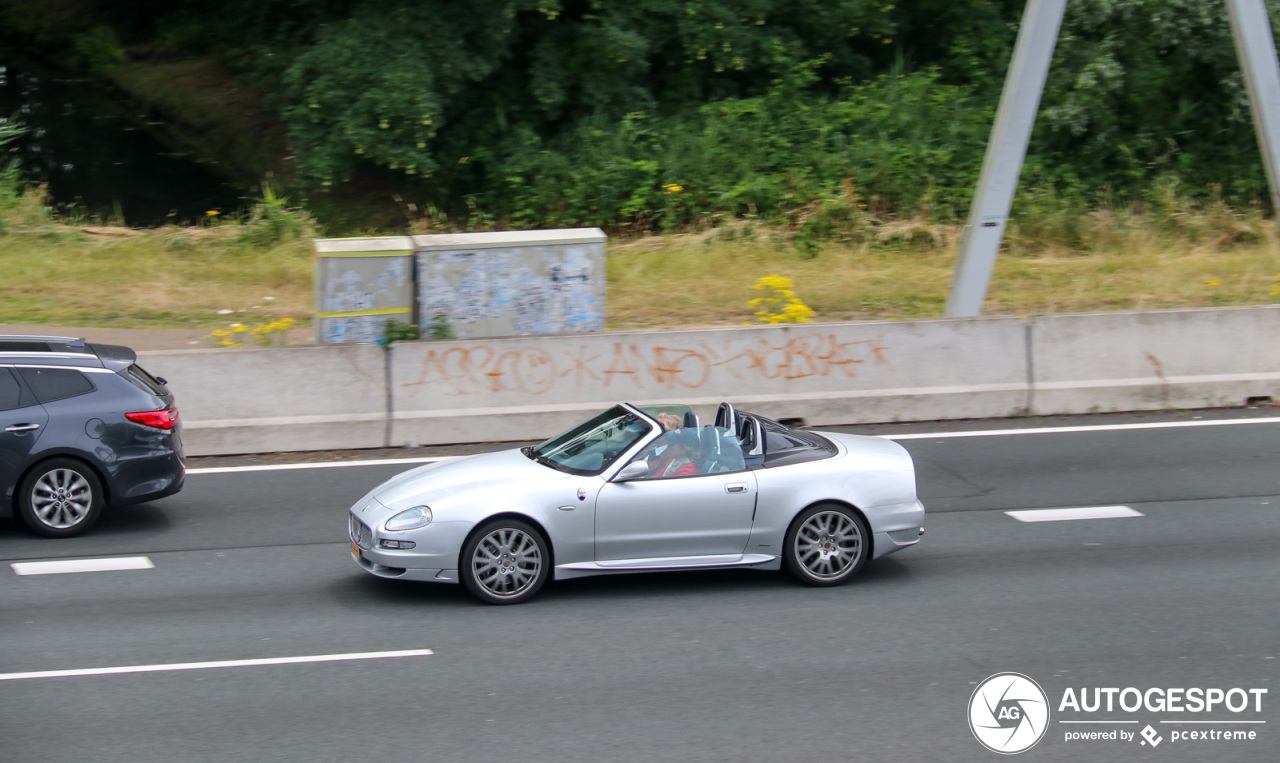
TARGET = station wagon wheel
x,y
61,497
826,545
505,562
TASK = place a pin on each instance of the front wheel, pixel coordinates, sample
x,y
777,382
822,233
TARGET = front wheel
x,y
60,498
826,545
505,562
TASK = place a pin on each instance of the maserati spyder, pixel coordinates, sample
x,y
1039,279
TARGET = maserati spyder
x,y
639,489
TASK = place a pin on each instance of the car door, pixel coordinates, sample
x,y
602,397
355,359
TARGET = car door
x,y
22,420
702,514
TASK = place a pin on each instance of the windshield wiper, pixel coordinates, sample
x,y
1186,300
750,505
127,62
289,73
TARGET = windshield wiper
x,y
529,452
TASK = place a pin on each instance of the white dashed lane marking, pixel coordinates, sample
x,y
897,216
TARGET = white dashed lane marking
x,y
1063,515
219,664
63,566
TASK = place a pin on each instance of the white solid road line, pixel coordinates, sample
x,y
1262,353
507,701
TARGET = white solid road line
x,y
219,664
910,436
317,465
64,566
1063,515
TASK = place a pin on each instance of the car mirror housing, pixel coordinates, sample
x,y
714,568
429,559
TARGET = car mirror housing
x,y
633,470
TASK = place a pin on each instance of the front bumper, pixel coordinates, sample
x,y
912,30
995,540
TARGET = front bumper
x,y
434,558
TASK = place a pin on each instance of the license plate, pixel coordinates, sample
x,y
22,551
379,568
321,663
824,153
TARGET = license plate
x,y
355,550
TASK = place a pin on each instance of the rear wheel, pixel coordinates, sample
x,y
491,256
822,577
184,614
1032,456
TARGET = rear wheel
x,y
505,562
826,545
61,497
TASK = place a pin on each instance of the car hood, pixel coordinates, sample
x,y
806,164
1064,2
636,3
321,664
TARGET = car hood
x,y
437,483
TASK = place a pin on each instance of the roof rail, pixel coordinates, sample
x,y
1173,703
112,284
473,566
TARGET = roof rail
x,y
33,338
74,344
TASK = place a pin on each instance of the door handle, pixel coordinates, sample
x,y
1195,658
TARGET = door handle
x,y
22,427
735,487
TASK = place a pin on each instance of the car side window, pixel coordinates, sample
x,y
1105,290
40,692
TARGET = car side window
x,y
10,392
50,384
693,451
776,442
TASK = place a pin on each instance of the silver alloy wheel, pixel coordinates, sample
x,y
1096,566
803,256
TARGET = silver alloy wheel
x,y
828,544
506,562
61,498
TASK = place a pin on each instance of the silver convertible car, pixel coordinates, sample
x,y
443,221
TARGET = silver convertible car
x,y
641,489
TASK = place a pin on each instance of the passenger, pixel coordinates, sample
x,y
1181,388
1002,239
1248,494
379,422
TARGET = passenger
x,y
669,421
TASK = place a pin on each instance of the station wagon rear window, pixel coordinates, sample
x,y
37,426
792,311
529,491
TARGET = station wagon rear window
x,y
148,382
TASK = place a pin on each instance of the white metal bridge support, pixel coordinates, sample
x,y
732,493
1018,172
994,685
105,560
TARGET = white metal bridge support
x,y
1020,100
1256,49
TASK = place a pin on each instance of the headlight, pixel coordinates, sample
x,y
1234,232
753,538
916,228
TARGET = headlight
x,y
409,519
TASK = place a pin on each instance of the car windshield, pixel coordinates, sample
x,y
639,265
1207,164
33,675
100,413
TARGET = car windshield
x,y
592,446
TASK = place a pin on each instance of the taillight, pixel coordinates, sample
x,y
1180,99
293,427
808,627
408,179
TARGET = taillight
x,y
166,419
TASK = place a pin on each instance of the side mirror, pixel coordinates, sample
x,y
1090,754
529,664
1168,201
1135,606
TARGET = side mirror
x,y
633,470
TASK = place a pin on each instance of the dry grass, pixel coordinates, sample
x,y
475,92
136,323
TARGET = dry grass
x,y
166,278
707,280
62,274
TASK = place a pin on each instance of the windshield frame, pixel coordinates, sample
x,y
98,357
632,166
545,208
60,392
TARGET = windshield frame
x,y
547,452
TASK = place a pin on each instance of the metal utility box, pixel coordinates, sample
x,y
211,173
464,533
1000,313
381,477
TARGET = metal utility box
x,y
361,283
512,283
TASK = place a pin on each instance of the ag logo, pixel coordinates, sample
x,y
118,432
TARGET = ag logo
x,y
1008,713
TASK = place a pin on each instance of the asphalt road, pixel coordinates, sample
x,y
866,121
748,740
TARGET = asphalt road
x,y
712,666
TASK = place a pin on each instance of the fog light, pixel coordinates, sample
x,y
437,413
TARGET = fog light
x,y
396,544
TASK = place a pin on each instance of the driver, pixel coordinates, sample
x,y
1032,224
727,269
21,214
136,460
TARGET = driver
x,y
679,458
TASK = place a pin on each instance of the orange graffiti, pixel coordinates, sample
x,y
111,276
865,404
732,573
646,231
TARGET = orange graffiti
x,y
478,369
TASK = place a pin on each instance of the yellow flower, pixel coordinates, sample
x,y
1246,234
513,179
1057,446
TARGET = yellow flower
x,y
672,188
779,303
213,213
1214,283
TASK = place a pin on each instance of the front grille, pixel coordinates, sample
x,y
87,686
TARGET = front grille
x,y
359,532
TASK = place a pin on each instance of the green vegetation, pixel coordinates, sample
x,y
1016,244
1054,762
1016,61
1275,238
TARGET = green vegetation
x,y
834,143
10,178
541,113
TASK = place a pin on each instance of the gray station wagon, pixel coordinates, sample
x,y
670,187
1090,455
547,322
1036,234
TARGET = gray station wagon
x,y
82,428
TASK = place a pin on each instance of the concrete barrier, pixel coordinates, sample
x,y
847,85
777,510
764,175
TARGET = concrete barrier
x,y
828,373
1128,361
488,390
277,399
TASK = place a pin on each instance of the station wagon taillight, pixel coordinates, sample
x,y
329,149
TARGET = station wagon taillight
x,y
166,419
